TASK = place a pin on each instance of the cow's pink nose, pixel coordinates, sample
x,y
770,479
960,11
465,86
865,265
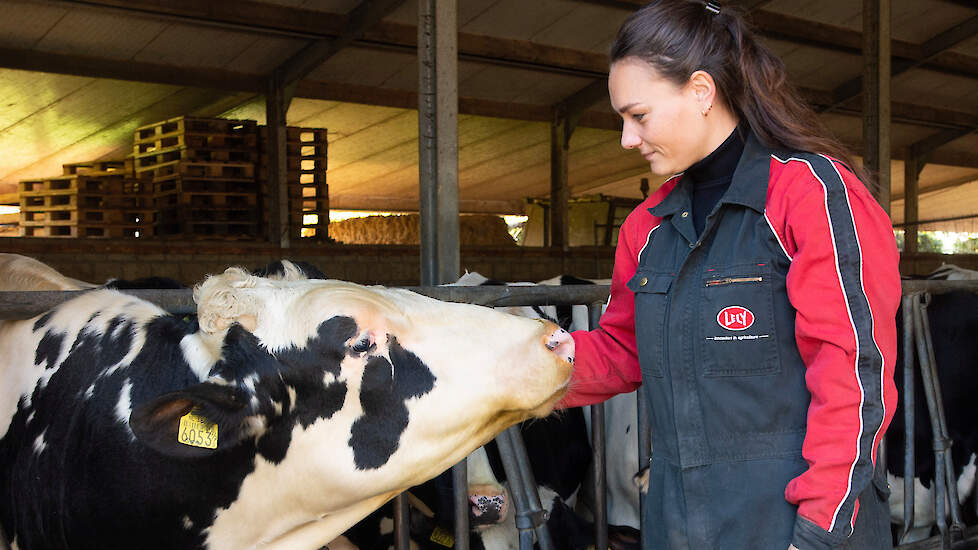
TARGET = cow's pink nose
x,y
561,343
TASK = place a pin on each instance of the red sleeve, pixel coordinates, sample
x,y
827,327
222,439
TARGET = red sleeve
x,y
605,359
844,283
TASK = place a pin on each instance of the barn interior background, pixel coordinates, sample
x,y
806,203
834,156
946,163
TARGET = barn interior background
x,y
87,82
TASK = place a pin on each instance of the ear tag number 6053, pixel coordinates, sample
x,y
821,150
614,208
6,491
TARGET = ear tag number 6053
x,y
197,431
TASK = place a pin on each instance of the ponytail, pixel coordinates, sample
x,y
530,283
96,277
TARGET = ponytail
x,y
680,37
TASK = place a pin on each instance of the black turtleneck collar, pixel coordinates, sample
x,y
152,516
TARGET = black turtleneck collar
x,y
710,177
722,161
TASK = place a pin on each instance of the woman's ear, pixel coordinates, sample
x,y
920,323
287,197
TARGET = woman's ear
x,y
703,88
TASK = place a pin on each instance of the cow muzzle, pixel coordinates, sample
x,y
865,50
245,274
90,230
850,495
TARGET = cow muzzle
x,y
559,341
490,505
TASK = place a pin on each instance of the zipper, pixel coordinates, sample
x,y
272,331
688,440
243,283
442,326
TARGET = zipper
x,y
732,280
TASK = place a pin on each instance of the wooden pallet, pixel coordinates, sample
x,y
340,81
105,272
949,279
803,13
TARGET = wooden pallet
x,y
98,168
89,231
167,162
193,125
205,141
239,201
224,171
297,134
180,183
49,200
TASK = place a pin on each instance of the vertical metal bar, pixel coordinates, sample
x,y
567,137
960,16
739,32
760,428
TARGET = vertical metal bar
x,y
427,142
529,488
438,139
909,440
957,526
524,520
276,107
460,484
402,523
876,94
940,478
598,450
644,455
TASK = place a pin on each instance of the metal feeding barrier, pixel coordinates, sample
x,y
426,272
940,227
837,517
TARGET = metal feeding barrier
x,y
918,348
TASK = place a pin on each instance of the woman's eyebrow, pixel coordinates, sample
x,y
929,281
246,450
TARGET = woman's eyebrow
x,y
627,107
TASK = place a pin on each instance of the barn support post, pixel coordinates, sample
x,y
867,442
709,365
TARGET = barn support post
x,y
560,134
438,139
876,95
277,100
912,165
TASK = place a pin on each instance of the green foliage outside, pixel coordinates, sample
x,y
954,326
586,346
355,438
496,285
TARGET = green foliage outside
x,y
941,242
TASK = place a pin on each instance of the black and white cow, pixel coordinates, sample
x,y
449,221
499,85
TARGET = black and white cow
x,y
24,273
953,319
286,413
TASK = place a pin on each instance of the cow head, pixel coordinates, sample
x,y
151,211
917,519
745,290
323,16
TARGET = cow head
x,y
349,393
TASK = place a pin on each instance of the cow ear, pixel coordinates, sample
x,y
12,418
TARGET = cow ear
x,y
194,422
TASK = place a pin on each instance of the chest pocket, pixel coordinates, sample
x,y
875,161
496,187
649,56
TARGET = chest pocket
x,y
737,324
651,304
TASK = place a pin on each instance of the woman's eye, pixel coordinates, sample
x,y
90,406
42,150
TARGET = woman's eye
x,y
638,117
361,345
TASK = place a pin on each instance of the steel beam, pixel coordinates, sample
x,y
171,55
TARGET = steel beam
x,y
560,134
438,139
365,15
276,170
928,50
876,95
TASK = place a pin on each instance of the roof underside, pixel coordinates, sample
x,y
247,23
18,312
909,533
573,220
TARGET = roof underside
x,y
78,77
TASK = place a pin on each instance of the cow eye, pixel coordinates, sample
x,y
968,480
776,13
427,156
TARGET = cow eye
x,y
362,344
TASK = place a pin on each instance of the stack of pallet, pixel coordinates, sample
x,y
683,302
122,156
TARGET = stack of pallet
x,y
91,199
306,181
203,176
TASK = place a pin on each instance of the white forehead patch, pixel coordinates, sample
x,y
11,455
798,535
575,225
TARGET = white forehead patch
x,y
187,524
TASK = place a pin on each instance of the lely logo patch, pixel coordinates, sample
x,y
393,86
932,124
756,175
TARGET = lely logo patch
x,y
735,318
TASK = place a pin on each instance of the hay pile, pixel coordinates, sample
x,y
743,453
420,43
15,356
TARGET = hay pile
x,y
474,230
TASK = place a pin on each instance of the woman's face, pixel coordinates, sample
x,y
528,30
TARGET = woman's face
x,y
664,121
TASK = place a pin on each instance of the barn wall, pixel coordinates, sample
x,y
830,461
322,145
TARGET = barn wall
x,y
189,262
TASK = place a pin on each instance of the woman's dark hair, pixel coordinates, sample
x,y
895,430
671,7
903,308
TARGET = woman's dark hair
x,y
680,37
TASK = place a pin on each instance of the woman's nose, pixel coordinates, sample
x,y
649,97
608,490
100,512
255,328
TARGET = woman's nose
x,y
629,140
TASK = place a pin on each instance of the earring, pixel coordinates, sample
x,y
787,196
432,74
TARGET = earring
x,y
707,110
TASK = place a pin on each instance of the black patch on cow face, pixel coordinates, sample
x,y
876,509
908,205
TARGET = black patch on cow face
x,y
301,368
49,349
375,436
43,320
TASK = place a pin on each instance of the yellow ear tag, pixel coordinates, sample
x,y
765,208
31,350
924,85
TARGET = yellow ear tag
x,y
442,537
197,431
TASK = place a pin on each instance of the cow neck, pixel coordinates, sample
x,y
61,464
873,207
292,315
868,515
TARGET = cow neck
x,y
710,177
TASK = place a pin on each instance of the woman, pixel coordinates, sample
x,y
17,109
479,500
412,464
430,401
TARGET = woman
x,y
753,298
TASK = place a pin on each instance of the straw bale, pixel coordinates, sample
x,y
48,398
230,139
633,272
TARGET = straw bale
x,y
474,230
